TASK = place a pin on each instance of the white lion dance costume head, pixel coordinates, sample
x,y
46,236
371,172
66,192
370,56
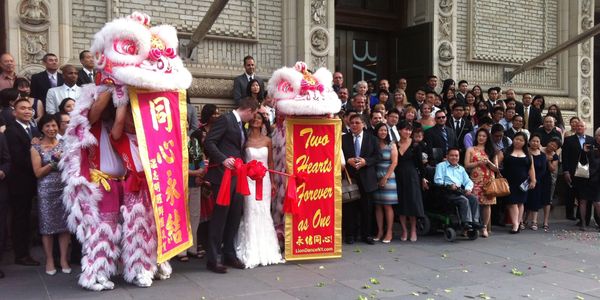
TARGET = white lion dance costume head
x,y
297,92
128,52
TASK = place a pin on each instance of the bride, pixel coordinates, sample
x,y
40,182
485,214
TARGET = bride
x,y
256,242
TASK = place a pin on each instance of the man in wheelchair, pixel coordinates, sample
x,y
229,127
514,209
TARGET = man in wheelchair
x,y
456,187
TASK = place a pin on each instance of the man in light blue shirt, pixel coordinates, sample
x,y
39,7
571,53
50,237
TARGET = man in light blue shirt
x,y
453,176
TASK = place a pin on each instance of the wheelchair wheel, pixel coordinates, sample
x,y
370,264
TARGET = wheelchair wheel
x,y
473,234
450,234
423,225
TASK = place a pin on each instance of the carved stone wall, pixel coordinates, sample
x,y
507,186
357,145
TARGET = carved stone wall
x,y
585,63
34,24
445,39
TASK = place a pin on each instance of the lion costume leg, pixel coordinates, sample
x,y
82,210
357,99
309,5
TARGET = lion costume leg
x,y
139,239
100,247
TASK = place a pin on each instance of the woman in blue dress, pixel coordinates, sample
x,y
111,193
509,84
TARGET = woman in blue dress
x,y
386,195
519,172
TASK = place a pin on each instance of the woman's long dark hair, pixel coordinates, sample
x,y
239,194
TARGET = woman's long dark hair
x,y
207,111
387,139
511,148
480,98
19,81
558,116
260,95
488,147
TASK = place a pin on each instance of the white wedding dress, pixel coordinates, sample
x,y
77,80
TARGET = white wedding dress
x,y
256,242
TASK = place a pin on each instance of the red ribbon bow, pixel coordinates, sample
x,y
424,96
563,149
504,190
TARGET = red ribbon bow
x,y
256,171
239,170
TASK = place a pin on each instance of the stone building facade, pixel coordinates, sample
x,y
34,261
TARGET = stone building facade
x,y
476,40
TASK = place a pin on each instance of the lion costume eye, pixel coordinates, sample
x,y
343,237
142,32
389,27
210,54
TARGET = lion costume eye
x,y
126,47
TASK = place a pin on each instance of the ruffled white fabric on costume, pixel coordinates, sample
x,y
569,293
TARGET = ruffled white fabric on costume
x,y
256,242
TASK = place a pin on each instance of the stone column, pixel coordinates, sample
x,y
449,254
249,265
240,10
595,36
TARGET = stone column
x,y
581,85
37,27
444,37
315,29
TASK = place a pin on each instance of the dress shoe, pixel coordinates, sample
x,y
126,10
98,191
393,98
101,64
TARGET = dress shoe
x,y
386,241
369,240
51,272
216,268
234,263
27,261
66,270
1,274
349,240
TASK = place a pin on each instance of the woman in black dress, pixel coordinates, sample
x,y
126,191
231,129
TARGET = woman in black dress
x,y
535,196
408,181
520,174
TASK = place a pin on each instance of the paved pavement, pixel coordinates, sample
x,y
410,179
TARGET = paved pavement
x,y
561,264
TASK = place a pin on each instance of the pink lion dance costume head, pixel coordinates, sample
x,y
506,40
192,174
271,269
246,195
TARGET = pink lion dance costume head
x,y
296,92
113,221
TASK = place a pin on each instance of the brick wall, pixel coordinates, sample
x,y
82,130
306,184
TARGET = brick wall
x,y
505,32
245,27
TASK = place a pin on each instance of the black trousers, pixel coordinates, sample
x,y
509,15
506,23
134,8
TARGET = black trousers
x,y
21,223
224,224
3,223
358,214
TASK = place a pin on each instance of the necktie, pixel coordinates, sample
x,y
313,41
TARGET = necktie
x,y
526,118
393,134
29,133
52,81
445,136
357,145
457,125
91,76
242,137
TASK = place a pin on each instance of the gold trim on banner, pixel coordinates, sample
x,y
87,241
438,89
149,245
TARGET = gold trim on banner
x,y
144,156
289,157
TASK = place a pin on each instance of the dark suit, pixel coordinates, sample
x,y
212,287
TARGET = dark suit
x,y
435,139
571,151
22,185
535,118
366,178
460,99
40,84
464,127
4,196
490,106
240,84
83,78
223,141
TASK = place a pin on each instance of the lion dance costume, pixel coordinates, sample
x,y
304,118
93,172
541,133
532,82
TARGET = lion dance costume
x,y
106,196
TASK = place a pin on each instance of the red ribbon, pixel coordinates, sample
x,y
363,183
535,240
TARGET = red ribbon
x,y
290,204
256,171
224,196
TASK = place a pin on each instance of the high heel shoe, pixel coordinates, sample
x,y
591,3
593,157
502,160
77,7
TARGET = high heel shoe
x,y
484,232
51,272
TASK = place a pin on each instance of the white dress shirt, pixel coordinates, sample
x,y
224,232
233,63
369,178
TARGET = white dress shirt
x,y
56,95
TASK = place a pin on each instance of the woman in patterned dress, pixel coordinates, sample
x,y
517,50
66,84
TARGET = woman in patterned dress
x,y
386,195
482,161
44,159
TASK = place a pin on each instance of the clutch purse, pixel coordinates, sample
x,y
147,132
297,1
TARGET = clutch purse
x,y
525,185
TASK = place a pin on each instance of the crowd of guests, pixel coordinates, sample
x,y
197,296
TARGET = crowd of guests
x,y
396,148
393,144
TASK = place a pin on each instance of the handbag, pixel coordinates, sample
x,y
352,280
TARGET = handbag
x,y
497,187
524,186
350,191
582,171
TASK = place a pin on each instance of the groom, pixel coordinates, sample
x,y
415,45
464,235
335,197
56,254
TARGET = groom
x,y
223,144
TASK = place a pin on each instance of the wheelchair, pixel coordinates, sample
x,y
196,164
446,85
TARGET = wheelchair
x,y
441,216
